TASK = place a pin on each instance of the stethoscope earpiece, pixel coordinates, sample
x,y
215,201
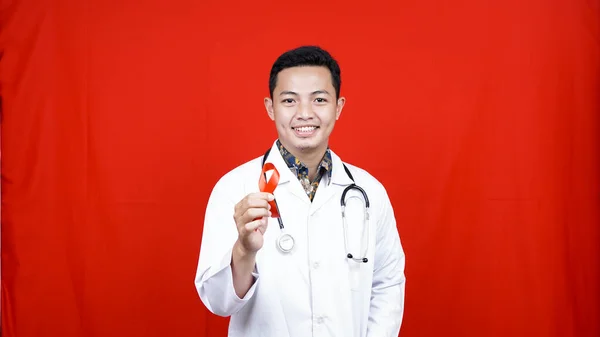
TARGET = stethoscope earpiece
x,y
364,259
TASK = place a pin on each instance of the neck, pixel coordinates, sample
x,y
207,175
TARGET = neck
x,y
312,161
311,158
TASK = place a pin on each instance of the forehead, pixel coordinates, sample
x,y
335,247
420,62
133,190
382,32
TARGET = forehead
x,y
304,77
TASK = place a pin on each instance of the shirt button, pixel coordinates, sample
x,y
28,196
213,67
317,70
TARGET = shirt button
x,y
315,265
319,320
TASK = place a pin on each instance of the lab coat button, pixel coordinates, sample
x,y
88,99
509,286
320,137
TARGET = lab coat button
x,y
319,320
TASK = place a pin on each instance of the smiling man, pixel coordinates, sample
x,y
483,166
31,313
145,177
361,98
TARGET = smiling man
x,y
321,255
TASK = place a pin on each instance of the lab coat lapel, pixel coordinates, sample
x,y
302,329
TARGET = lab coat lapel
x,y
339,180
287,179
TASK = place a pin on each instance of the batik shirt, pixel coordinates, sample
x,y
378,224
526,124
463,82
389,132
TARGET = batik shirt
x,y
310,187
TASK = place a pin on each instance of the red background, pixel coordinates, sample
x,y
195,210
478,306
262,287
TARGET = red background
x,y
480,117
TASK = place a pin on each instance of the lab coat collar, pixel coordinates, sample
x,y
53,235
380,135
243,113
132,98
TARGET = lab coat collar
x,y
339,175
274,157
287,179
339,179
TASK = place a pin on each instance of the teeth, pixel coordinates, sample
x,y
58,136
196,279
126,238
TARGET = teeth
x,y
306,128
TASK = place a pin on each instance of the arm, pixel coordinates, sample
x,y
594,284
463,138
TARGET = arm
x,y
242,266
387,294
219,251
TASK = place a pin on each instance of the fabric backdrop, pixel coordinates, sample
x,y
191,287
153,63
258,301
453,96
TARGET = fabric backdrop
x,y
481,118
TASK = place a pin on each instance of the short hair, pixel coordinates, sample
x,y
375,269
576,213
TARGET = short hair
x,y
306,56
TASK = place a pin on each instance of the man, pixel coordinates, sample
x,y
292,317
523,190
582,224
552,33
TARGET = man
x,y
315,273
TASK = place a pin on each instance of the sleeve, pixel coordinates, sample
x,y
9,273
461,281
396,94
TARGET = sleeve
x,y
214,279
387,294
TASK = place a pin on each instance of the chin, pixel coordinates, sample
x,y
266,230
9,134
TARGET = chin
x,y
304,145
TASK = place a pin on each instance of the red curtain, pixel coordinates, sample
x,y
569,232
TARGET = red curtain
x,y
482,119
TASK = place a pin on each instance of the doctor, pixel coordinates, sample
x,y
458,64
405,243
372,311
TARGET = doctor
x,y
301,268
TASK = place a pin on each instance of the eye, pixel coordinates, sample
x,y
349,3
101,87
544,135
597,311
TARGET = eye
x,y
320,100
288,101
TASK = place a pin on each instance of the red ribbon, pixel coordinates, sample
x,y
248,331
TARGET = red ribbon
x,y
269,186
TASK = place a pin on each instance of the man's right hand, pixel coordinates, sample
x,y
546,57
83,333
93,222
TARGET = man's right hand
x,y
251,218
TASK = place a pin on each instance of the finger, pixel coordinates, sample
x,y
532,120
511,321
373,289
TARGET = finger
x,y
253,200
253,225
263,195
262,227
257,203
269,196
251,215
254,213
249,198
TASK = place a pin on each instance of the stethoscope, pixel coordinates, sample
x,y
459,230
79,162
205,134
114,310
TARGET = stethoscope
x,y
285,242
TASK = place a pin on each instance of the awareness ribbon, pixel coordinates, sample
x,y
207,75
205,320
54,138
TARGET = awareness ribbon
x,y
269,186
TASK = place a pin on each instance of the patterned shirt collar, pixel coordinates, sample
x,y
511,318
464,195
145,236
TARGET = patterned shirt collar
x,y
301,171
295,164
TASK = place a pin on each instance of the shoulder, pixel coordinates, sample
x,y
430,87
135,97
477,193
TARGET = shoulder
x,y
362,176
365,179
373,187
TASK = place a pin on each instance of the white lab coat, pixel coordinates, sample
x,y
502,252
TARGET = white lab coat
x,y
314,290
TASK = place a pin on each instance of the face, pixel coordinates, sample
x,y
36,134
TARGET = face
x,y
304,108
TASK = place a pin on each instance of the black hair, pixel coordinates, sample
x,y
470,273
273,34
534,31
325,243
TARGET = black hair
x,y
306,56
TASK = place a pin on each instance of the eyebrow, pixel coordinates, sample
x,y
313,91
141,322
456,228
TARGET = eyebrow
x,y
317,92
321,92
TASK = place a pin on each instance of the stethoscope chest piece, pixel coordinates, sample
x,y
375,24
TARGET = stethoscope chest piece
x,y
285,243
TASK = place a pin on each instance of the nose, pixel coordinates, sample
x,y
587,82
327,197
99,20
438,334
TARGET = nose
x,y
305,111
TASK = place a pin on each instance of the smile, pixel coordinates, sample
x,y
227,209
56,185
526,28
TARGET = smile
x,y
305,129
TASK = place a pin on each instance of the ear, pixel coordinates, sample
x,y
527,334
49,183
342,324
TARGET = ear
x,y
269,107
340,105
